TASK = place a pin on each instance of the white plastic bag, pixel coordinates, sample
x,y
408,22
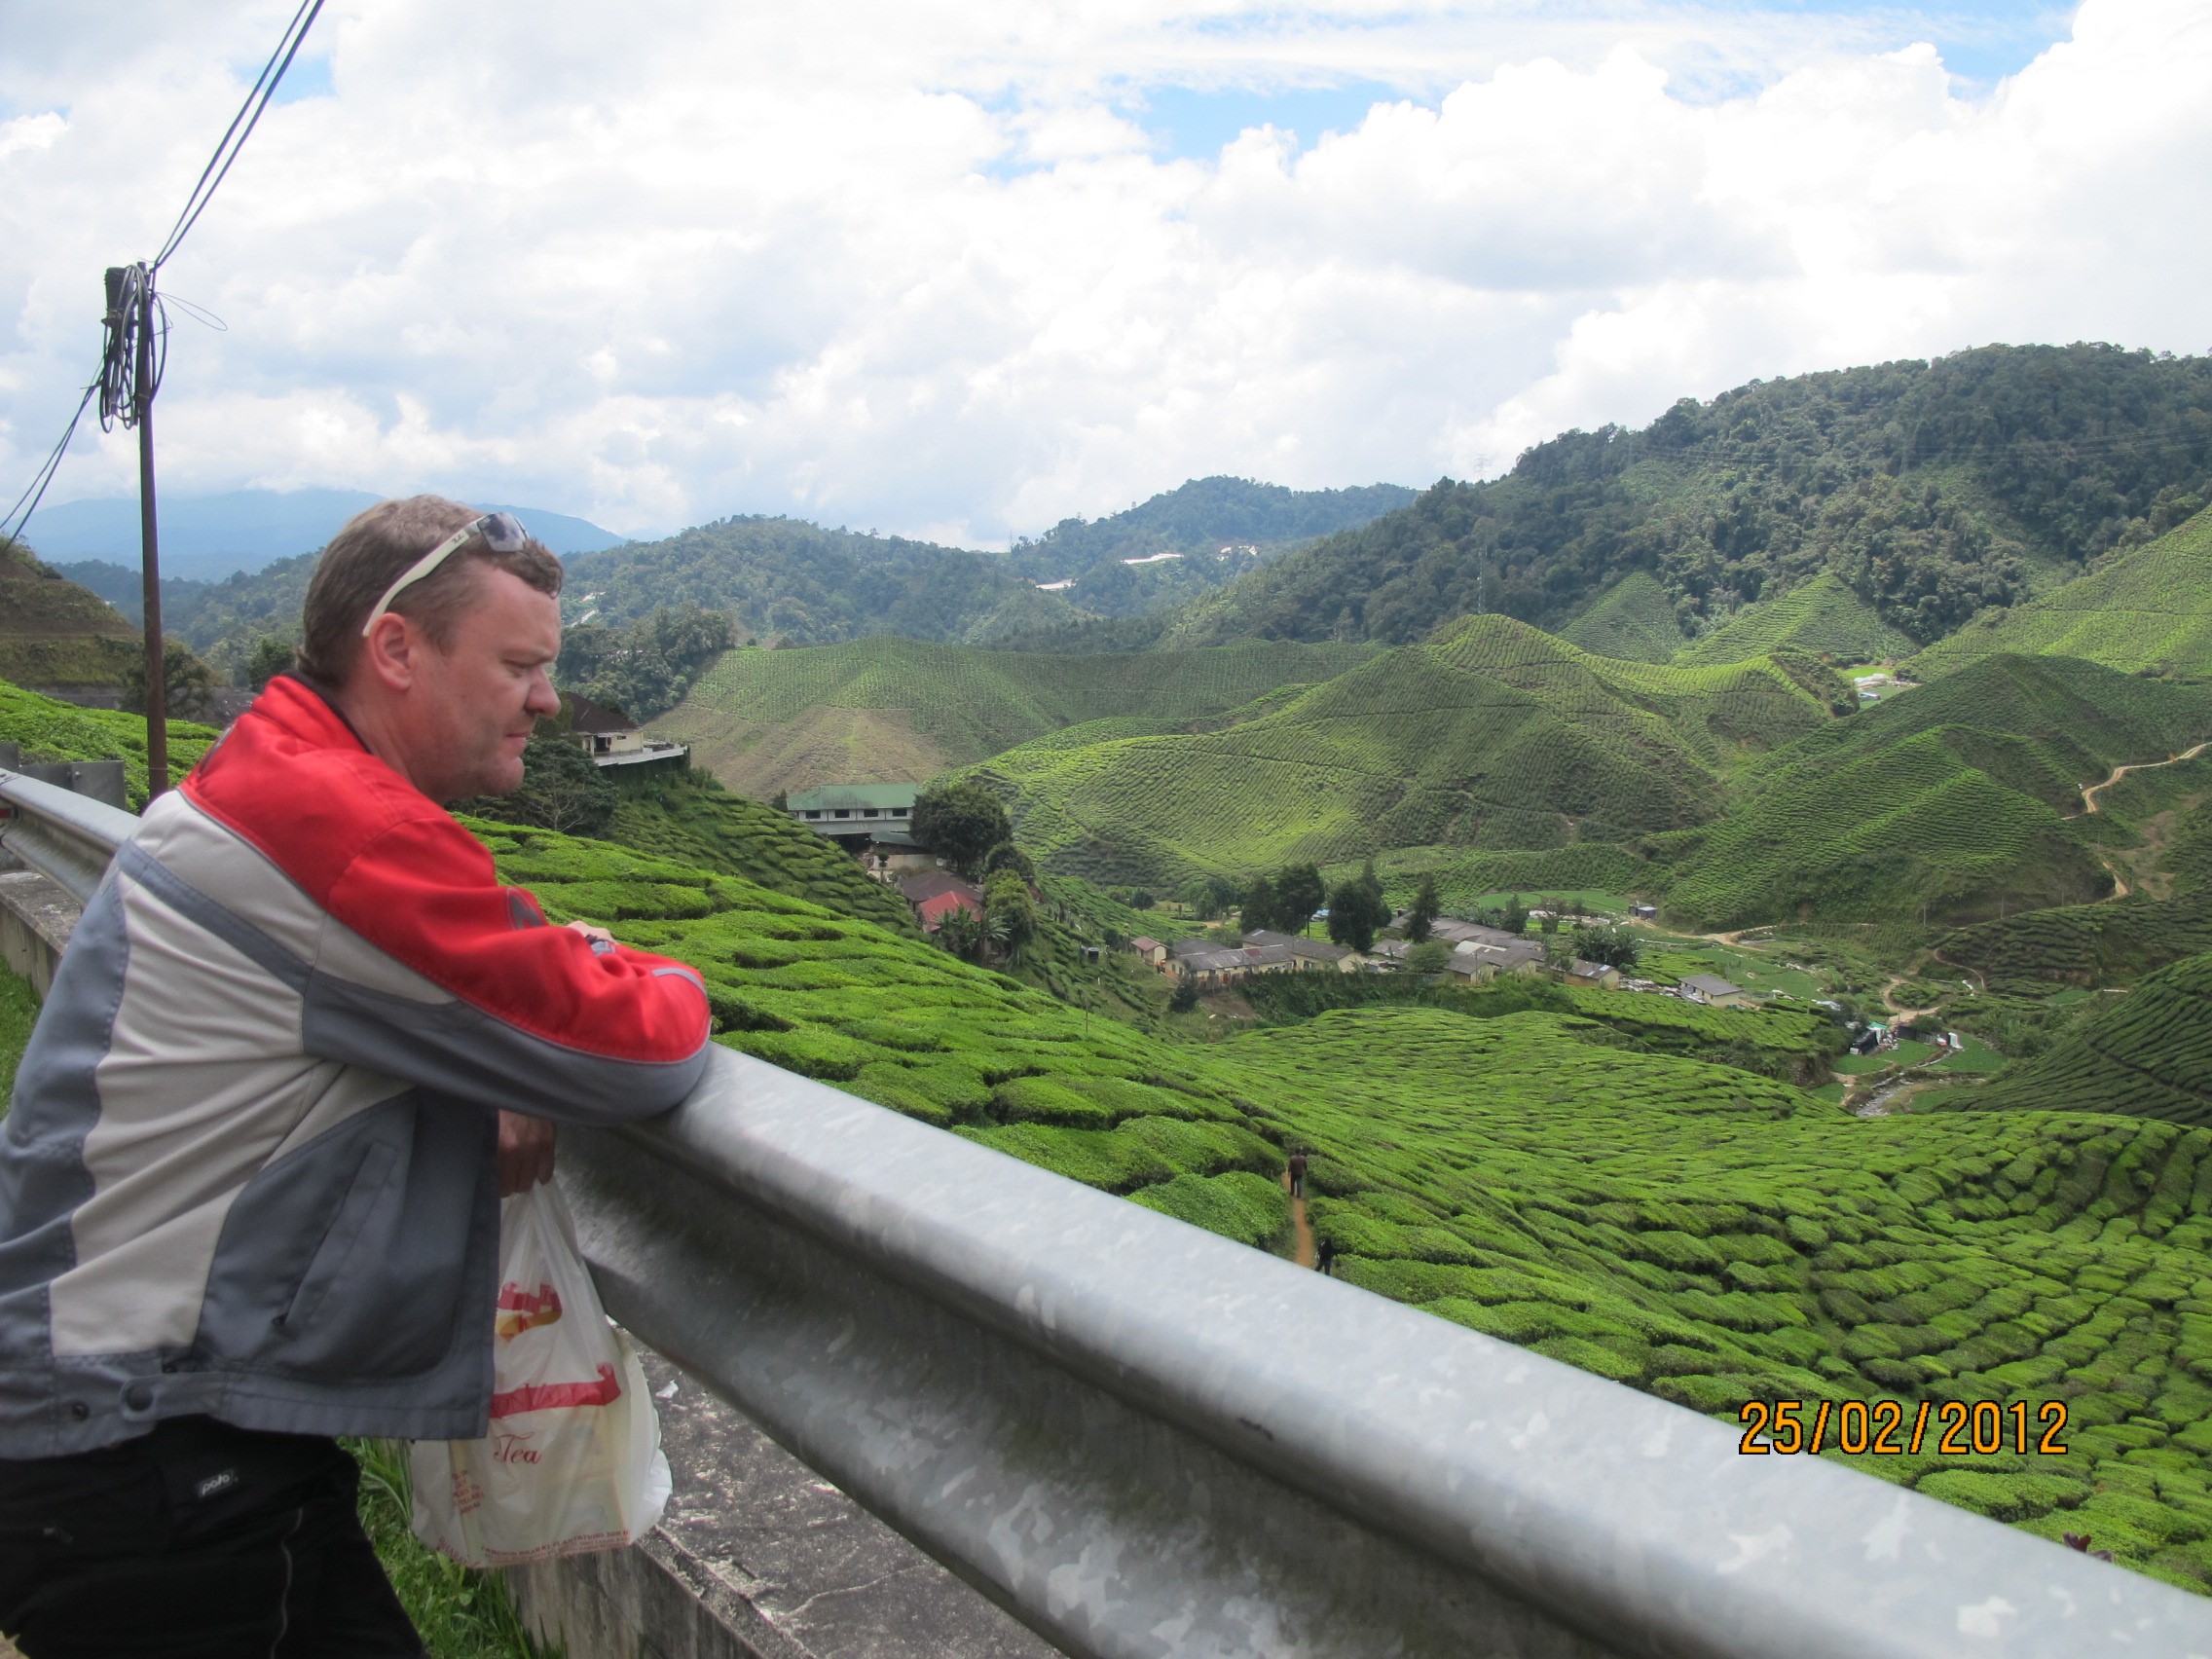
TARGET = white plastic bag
x,y
573,1460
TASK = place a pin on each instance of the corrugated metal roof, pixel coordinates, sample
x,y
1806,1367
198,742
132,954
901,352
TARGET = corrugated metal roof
x,y
895,798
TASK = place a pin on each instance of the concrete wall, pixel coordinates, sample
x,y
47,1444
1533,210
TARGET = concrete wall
x,y
36,919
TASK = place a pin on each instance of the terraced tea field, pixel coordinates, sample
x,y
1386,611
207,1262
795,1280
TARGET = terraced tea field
x,y
901,709
2147,609
1492,736
2114,944
1822,617
1946,805
2148,1055
1633,622
1714,1238
1691,1229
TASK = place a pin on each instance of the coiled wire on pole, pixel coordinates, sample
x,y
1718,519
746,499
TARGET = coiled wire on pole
x,y
131,306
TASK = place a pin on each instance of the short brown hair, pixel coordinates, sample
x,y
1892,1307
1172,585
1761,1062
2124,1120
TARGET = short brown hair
x,y
370,554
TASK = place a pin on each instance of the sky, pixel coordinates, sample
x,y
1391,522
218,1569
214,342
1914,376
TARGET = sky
x,y
959,271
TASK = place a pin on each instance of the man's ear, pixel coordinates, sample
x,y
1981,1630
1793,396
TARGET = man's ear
x,y
392,652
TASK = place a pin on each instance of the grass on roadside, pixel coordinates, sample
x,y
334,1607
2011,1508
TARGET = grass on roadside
x,y
18,1008
459,1613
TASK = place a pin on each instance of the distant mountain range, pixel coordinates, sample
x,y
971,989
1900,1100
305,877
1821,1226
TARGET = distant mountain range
x,y
207,537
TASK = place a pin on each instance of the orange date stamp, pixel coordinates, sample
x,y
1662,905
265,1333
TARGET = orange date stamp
x,y
1889,1429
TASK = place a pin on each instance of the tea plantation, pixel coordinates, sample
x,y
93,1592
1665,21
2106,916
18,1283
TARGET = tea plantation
x,y
2083,944
904,710
1633,622
1822,617
53,632
2150,607
1490,735
51,730
2150,1055
1691,1229
1944,805
692,819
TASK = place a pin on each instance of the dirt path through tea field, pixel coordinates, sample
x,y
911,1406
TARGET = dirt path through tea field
x,y
1303,1251
2090,792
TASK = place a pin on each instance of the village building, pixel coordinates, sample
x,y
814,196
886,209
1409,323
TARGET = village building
x,y
936,893
1714,990
1218,966
1309,952
613,738
890,854
1479,959
1644,912
1601,975
856,812
1150,951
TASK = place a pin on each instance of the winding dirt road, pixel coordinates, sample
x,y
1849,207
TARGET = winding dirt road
x,y
2090,792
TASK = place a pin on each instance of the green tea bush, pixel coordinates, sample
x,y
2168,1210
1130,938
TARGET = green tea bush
x,y
1246,1207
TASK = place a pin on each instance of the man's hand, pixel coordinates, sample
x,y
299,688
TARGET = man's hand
x,y
525,1152
602,942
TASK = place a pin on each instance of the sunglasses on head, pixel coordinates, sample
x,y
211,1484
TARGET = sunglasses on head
x,y
503,533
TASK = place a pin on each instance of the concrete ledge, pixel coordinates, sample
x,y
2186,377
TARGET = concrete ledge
x,y
36,918
757,1558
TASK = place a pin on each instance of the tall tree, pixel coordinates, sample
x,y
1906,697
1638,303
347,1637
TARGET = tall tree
x,y
1358,911
1262,908
1422,916
1010,912
961,822
1298,893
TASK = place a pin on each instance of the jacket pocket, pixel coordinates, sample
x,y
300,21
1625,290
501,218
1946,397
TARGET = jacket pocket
x,y
334,1255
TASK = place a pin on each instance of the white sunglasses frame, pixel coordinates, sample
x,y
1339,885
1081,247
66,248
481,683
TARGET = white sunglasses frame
x,y
498,536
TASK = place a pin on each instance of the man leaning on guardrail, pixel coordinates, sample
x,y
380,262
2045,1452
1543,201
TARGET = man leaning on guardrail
x,y
302,1042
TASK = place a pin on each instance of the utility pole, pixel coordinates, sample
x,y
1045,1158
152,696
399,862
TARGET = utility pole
x,y
149,533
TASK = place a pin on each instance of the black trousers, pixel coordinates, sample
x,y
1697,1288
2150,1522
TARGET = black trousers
x,y
196,1541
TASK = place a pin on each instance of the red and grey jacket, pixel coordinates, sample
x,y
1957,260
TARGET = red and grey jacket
x,y
248,1172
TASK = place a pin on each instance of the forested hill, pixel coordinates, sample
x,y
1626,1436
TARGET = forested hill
x,y
1190,539
803,584
1933,489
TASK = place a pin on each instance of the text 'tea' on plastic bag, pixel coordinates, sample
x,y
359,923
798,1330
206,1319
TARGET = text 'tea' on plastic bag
x,y
573,1460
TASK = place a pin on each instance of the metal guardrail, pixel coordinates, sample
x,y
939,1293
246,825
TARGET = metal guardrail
x,y
62,835
1145,1440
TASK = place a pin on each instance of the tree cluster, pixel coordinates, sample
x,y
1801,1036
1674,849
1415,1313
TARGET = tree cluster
x,y
1284,902
188,684
647,665
960,822
1614,946
561,789
1358,911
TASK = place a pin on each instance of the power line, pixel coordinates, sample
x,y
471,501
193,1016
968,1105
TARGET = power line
x,y
241,126
122,397
18,515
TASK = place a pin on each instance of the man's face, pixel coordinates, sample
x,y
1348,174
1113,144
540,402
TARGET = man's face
x,y
474,705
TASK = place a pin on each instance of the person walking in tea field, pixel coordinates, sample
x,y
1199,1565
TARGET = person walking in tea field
x,y
1325,1260
301,1043
1297,1174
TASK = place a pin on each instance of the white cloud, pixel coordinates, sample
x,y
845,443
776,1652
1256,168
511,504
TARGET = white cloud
x,y
918,267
